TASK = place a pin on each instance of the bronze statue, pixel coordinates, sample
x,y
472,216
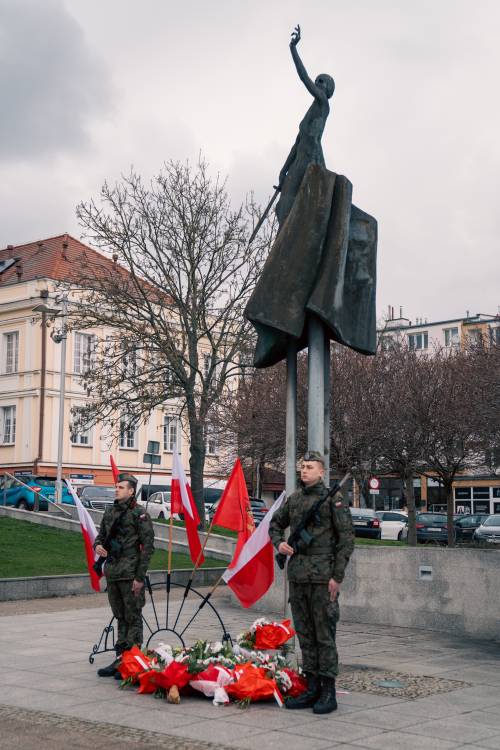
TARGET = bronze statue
x,y
307,147
323,261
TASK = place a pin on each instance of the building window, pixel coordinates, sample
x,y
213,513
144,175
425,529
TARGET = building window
x,y
83,353
451,337
79,436
11,352
211,444
495,335
128,432
475,336
129,361
172,434
418,340
8,425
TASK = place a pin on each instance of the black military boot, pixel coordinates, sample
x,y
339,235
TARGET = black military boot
x,y
327,701
110,670
307,699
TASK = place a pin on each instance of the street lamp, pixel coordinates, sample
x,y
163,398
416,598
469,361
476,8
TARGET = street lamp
x,y
59,337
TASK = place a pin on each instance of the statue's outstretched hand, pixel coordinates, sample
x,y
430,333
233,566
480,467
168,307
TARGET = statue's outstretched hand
x,y
295,36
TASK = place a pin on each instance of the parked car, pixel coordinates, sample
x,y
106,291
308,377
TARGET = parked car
x,y
23,495
365,522
259,509
96,497
392,523
431,528
465,525
489,531
158,504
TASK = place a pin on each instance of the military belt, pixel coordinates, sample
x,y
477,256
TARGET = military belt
x,y
309,552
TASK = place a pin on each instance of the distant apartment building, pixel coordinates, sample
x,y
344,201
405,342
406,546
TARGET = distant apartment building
x,y
424,335
30,380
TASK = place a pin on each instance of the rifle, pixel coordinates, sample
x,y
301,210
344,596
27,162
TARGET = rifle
x,y
108,544
301,535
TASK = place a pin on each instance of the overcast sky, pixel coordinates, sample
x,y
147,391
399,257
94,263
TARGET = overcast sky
x,y
90,87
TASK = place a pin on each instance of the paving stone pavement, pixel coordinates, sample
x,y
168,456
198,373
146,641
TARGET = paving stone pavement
x,y
52,698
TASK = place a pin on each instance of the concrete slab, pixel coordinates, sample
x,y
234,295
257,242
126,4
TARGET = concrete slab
x,y
51,673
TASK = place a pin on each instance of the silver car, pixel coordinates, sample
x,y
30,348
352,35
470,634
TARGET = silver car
x,y
489,531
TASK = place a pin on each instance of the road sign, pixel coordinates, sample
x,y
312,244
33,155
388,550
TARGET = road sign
x,y
374,483
153,447
374,492
150,458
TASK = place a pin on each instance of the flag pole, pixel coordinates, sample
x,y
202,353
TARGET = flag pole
x,y
169,563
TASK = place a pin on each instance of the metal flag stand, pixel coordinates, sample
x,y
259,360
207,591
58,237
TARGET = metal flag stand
x,y
154,626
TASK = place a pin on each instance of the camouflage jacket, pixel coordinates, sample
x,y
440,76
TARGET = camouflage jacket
x,y
132,545
333,537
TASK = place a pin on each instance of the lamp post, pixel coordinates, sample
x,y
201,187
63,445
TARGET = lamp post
x,y
59,337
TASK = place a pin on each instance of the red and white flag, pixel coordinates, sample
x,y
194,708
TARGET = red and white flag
x,y
254,570
234,510
182,501
89,533
114,469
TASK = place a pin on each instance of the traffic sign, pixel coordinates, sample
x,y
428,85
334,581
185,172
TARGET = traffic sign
x,y
374,483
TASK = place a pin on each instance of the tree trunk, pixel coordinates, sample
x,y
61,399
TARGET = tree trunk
x,y
197,463
449,513
410,500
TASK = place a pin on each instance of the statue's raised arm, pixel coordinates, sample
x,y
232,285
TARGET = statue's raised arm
x,y
318,91
307,147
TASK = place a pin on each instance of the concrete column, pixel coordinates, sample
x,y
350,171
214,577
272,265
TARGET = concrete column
x,y
316,386
291,418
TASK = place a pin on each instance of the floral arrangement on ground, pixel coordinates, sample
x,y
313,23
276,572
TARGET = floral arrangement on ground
x,y
254,668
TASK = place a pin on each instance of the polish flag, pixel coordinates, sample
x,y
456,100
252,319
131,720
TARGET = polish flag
x,y
253,573
114,469
234,510
89,532
182,501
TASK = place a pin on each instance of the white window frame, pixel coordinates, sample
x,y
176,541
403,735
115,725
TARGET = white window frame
x,y
83,358
128,434
451,336
10,359
413,341
81,439
8,417
211,442
172,434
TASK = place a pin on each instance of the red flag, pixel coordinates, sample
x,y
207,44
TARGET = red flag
x,y
234,510
253,572
188,507
89,533
114,469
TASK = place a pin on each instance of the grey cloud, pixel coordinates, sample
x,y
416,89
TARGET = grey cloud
x,y
51,84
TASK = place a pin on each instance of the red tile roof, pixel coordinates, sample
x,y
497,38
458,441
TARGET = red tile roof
x,y
60,258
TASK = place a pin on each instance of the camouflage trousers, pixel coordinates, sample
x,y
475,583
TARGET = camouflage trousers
x,y
127,608
315,619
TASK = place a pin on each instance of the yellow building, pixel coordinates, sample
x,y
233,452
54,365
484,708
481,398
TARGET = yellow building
x,y
30,382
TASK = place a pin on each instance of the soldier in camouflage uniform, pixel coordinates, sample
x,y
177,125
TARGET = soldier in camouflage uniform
x,y
315,573
127,558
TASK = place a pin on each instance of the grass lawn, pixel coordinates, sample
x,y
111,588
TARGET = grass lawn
x,y
29,549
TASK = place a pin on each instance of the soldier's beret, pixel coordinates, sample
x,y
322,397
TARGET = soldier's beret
x,y
313,456
124,477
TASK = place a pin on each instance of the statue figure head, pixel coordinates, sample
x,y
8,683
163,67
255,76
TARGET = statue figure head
x,y
325,82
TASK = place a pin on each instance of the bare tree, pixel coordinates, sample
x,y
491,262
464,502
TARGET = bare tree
x,y
183,273
461,432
